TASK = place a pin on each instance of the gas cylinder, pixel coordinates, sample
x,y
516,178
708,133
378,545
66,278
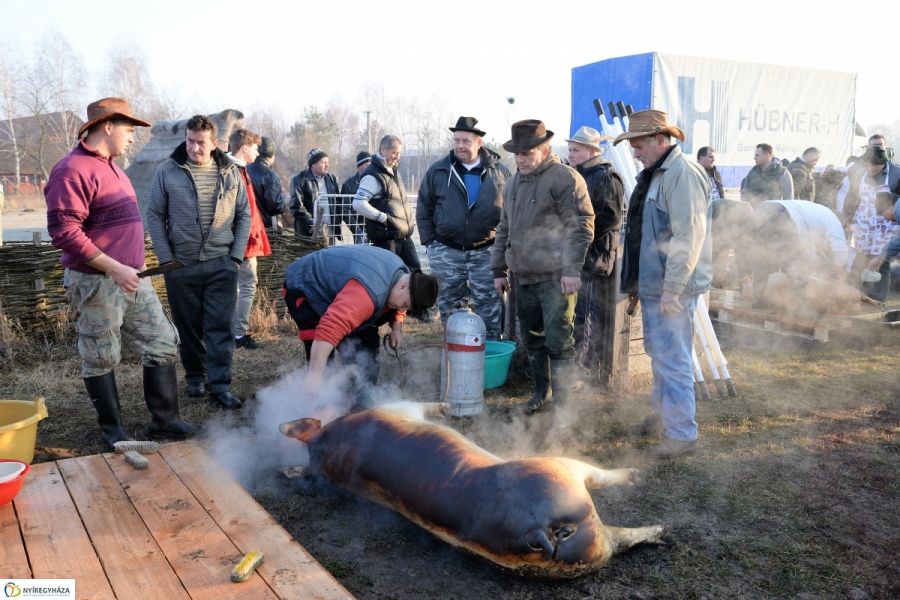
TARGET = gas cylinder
x,y
462,364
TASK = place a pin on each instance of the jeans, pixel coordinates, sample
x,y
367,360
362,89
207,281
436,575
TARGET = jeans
x,y
246,290
669,341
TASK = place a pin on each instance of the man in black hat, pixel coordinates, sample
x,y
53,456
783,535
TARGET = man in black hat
x,y
546,225
457,214
267,185
306,187
340,296
348,191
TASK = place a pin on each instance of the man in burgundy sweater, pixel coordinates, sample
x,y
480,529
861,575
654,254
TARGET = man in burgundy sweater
x,y
93,217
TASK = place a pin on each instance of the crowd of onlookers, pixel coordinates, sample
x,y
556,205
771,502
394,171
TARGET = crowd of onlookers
x,y
851,237
551,233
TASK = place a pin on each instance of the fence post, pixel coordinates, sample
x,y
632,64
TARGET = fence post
x,y
36,242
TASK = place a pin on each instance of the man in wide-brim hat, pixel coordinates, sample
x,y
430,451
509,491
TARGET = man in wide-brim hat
x,y
667,264
545,227
94,218
457,214
110,109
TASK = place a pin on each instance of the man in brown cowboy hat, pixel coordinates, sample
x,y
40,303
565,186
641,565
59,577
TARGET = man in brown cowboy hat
x,y
667,264
545,227
457,215
93,217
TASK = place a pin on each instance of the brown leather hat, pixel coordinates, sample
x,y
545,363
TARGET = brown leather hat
x,y
526,135
649,122
107,109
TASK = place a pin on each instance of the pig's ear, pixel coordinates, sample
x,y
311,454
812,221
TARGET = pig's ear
x,y
305,430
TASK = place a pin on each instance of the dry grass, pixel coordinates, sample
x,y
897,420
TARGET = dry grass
x,y
793,492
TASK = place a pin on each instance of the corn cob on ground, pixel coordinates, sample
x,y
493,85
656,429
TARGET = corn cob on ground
x,y
244,569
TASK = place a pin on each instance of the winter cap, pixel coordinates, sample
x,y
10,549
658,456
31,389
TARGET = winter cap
x,y
363,158
314,156
267,147
423,290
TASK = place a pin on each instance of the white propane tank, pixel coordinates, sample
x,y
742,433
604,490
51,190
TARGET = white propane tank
x,y
462,364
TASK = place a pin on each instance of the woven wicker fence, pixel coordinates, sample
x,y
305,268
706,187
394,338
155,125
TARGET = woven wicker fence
x,y
33,300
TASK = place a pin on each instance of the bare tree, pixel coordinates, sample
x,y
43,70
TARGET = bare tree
x,y
344,143
127,77
11,75
53,84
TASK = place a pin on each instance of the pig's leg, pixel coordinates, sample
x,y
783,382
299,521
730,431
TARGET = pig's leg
x,y
624,538
596,478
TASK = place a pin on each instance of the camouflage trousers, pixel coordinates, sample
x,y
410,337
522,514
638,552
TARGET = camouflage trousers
x,y
105,316
463,275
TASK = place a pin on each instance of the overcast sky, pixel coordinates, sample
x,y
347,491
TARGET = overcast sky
x,y
467,57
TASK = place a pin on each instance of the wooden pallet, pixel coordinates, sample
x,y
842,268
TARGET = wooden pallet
x,y
174,530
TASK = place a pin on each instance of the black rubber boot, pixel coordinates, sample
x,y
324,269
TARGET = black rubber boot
x,y
161,395
539,364
105,397
562,376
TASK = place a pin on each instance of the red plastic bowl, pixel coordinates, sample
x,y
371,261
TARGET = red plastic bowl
x,y
9,489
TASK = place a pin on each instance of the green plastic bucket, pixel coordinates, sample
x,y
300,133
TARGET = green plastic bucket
x,y
497,358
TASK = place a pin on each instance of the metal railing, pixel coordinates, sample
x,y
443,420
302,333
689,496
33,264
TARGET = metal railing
x,y
336,223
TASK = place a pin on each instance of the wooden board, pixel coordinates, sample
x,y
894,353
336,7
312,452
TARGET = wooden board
x,y
12,549
174,530
56,541
133,561
288,568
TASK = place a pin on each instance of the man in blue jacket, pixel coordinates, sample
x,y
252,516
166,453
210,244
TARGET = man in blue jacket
x,y
457,214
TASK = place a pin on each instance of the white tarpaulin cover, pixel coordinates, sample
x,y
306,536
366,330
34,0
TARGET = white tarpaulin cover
x,y
729,105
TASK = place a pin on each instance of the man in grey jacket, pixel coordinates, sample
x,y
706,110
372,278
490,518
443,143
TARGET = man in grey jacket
x,y
198,215
667,264
546,225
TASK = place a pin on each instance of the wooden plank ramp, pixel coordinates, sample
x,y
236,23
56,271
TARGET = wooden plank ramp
x,y
173,531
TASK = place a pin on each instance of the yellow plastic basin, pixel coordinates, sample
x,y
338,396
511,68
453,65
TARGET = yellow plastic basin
x,y
18,428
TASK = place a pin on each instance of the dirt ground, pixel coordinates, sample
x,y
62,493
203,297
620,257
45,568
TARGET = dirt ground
x,y
793,492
